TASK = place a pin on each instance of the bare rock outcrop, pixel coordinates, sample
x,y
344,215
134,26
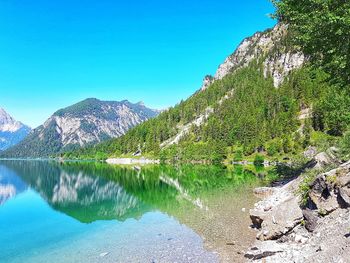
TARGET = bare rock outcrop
x,y
278,61
277,214
318,233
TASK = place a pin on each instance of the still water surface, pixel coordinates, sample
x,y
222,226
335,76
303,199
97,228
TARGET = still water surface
x,y
93,212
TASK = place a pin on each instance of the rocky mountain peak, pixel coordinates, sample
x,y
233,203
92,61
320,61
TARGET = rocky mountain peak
x,y
279,60
141,103
11,131
8,123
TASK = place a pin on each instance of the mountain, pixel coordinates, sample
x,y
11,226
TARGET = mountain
x,y
11,131
85,123
10,184
252,103
267,98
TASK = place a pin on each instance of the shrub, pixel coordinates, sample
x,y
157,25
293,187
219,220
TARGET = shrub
x,y
258,160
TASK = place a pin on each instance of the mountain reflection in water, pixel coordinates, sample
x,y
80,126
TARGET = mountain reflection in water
x,y
207,199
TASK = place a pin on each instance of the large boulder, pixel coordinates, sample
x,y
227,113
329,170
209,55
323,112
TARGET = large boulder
x,y
331,190
323,159
280,220
322,194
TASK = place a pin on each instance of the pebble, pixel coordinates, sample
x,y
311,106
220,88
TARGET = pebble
x,y
104,254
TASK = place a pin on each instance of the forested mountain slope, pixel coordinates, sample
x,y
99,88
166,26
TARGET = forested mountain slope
x,y
256,102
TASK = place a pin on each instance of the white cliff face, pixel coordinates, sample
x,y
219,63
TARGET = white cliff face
x,y
278,61
11,131
110,121
279,67
7,123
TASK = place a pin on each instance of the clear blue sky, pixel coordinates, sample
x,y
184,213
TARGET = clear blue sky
x,y
58,52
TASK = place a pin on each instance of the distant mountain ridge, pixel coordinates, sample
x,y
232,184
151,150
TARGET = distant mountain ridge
x,y
85,123
11,131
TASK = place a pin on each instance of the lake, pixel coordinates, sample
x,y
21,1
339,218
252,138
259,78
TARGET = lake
x,y
94,212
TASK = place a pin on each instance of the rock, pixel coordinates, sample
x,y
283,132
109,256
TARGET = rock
x,y
319,185
282,239
281,219
322,159
207,81
263,192
259,45
257,217
310,220
324,205
322,195
263,250
298,238
310,152
261,255
102,255
344,194
343,180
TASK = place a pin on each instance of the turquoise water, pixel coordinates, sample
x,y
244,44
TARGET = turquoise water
x,y
86,212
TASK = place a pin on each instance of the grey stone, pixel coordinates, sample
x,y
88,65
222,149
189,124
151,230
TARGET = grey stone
x,y
344,194
310,152
263,192
257,217
343,180
310,219
281,219
324,205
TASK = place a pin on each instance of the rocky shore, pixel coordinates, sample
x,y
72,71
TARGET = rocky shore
x,y
305,226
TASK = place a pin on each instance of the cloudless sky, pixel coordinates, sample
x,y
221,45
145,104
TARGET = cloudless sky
x,y
55,53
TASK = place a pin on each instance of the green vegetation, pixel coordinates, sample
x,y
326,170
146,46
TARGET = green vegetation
x,y
255,116
114,192
258,160
322,29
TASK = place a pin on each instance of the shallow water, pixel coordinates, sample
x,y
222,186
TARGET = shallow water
x,y
92,212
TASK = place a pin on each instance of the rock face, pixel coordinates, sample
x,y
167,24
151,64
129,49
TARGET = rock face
x,y
11,131
279,60
331,190
88,122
